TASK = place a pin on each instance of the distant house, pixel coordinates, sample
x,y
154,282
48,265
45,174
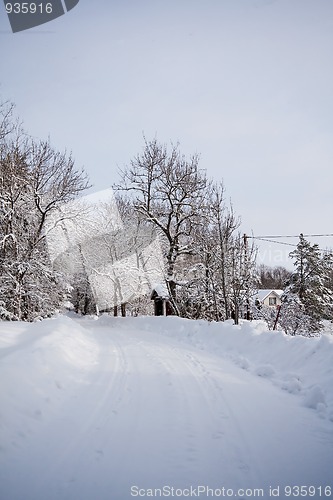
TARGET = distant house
x,y
270,298
160,296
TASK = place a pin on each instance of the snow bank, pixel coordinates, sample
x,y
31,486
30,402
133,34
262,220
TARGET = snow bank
x,y
300,365
39,362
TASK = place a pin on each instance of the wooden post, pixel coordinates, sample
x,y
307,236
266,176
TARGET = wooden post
x,y
277,317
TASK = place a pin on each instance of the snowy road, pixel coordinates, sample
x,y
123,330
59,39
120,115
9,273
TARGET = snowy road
x,y
93,412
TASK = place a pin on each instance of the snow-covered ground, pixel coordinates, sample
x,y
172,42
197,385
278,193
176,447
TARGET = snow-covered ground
x,y
118,408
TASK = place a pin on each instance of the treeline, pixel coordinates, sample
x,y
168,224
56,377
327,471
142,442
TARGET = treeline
x,y
273,277
209,268
35,180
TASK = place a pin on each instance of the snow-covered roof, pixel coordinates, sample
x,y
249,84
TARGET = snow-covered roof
x,y
103,196
262,294
161,290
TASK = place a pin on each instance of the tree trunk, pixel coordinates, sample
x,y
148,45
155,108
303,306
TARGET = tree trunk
x,y
123,310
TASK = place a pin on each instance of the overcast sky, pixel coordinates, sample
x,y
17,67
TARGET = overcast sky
x,y
245,83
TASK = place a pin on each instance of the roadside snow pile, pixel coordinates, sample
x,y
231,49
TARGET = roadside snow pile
x,y
299,365
37,362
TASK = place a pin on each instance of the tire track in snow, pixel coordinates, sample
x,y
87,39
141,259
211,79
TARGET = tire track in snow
x,y
154,412
213,433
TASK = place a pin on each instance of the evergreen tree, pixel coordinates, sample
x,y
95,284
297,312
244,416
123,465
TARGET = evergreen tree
x,y
307,292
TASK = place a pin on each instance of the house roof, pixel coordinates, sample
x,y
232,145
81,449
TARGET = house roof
x,y
161,290
262,294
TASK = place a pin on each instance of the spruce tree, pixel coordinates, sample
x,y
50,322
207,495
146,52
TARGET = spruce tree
x,y
308,285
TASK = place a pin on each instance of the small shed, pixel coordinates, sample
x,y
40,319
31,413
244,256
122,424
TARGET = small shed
x,y
161,298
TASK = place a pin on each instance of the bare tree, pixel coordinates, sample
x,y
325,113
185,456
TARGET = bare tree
x,y
34,181
243,278
209,285
7,123
226,223
168,191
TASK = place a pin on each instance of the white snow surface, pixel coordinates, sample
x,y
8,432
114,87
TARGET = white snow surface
x,y
118,408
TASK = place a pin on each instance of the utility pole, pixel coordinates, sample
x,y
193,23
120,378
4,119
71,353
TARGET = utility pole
x,y
247,298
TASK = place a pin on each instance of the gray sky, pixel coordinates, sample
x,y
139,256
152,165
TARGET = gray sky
x,y
245,83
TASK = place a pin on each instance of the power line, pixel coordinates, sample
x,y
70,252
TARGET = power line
x,y
267,239
275,242
292,236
